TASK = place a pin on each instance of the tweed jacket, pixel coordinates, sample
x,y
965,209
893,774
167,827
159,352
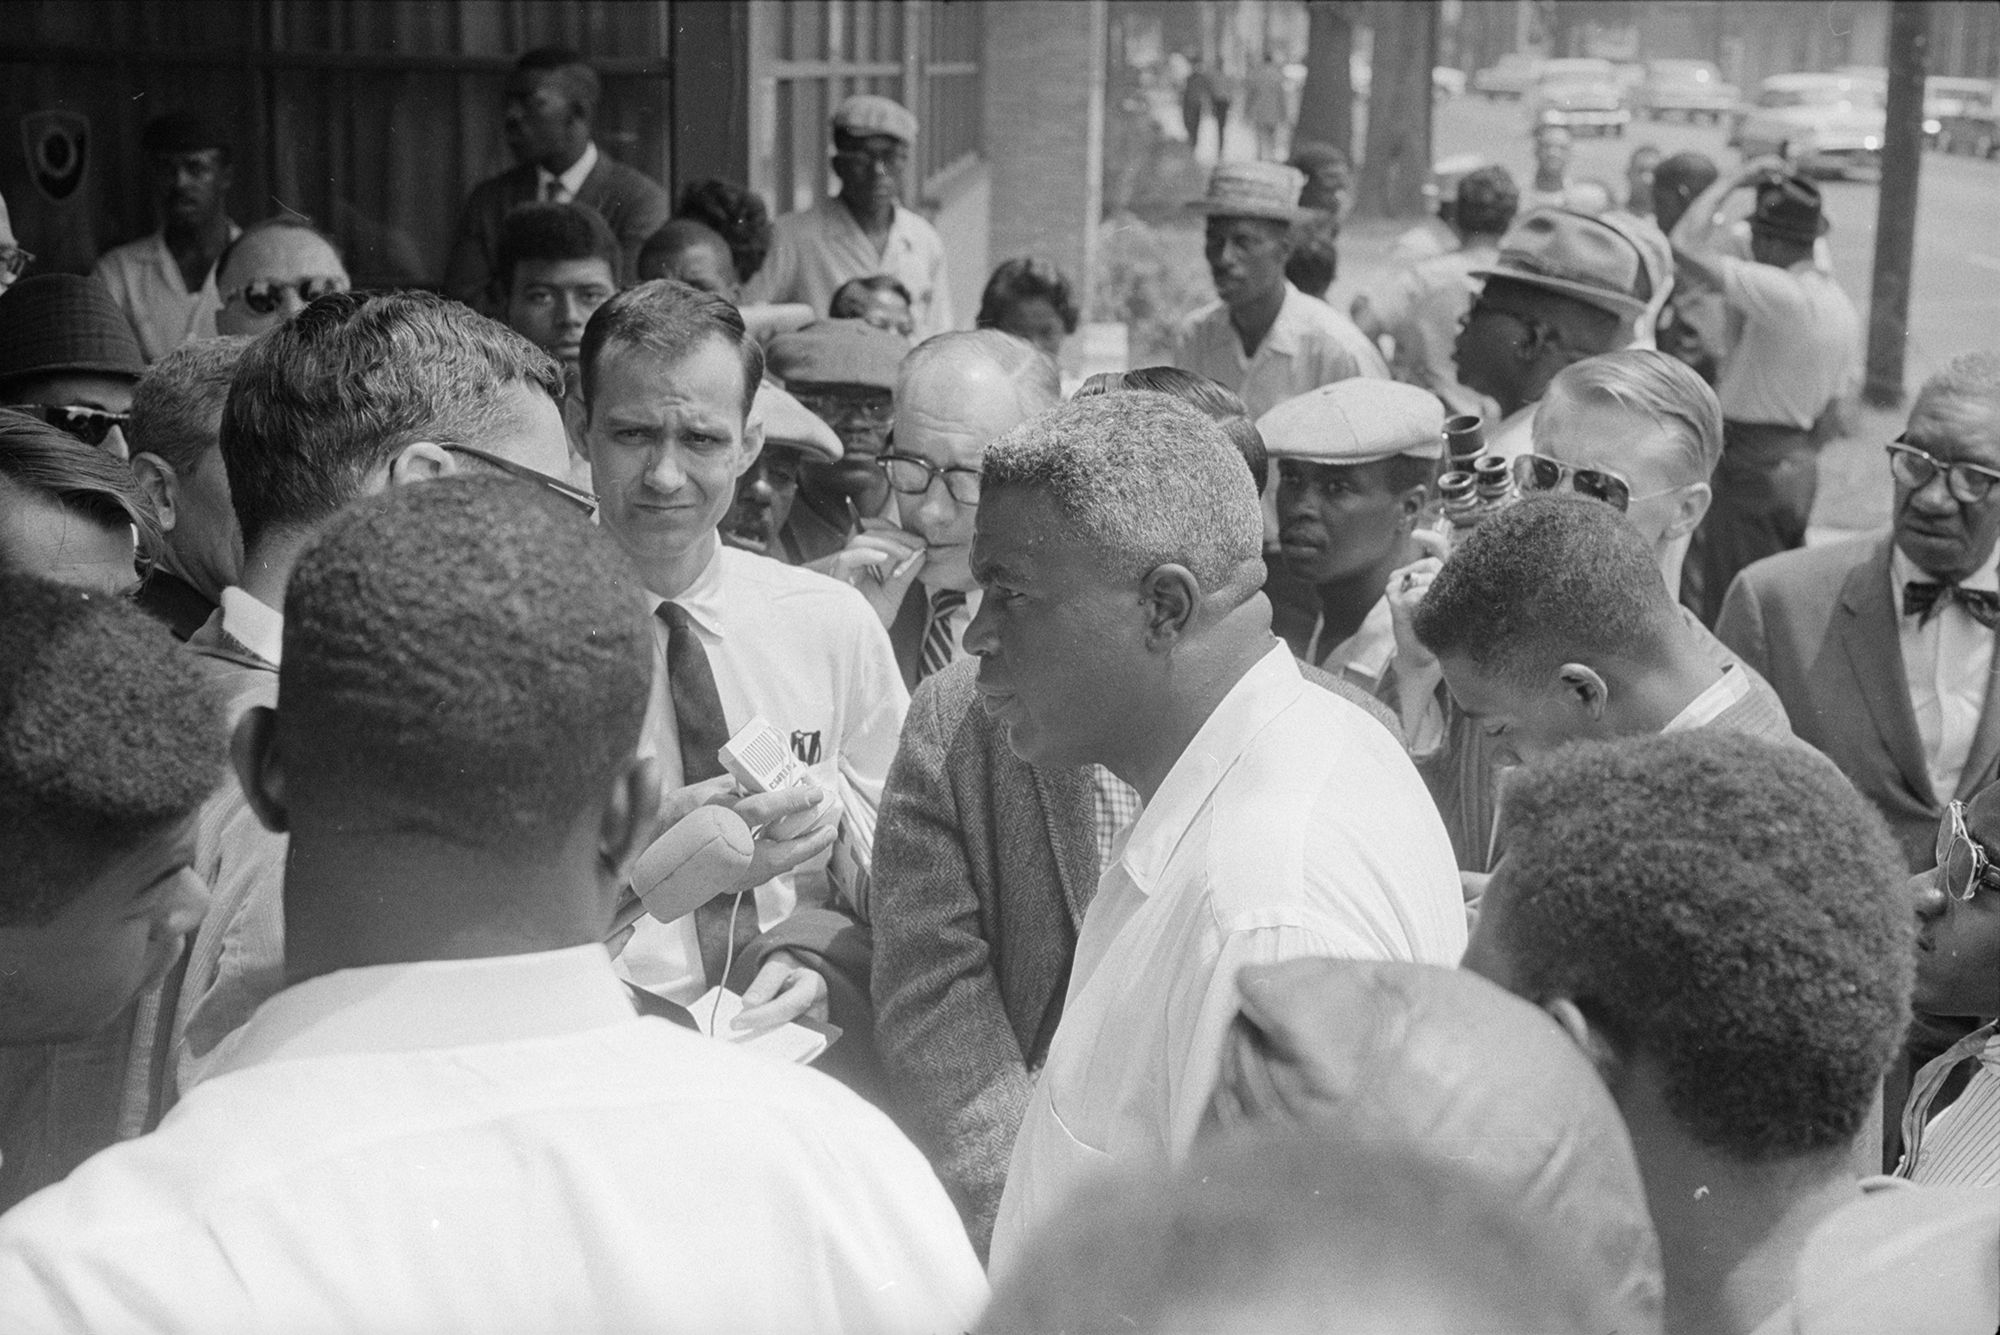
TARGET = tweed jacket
x,y
1821,624
634,204
984,866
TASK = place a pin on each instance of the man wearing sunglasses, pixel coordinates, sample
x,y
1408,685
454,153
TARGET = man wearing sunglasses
x,y
1951,1124
1882,647
68,357
272,272
864,229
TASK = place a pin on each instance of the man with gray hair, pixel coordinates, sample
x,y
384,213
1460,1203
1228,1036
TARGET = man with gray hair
x,y
1123,626
955,393
176,438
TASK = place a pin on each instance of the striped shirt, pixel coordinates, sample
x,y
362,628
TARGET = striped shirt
x,y
1960,1147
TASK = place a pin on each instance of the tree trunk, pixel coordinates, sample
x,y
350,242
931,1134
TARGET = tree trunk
x,y
1326,103
1397,161
1896,209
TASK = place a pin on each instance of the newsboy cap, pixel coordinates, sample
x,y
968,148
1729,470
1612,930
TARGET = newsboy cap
x,y
871,113
837,352
1355,421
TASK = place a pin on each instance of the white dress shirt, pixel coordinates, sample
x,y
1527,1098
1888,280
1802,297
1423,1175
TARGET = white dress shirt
x,y
808,654
815,250
1799,347
493,1145
1948,662
561,188
1310,344
146,282
1292,825
1715,700
1362,658
255,625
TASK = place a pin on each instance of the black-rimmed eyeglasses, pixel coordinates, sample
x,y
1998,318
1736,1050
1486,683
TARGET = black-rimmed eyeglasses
x,y
913,476
1967,483
576,496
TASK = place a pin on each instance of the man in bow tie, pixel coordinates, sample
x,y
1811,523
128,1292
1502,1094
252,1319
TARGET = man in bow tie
x,y
1882,648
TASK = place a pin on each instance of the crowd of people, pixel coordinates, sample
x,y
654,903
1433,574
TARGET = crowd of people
x,y
667,786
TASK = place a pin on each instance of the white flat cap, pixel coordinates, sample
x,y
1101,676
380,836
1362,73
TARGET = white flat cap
x,y
789,422
1356,421
871,113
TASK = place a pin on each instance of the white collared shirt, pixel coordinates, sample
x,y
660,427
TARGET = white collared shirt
x,y
1716,699
1948,662
569,181
815,250
253,624
1362,658
146,282
494,1145
1310,344
808,654
1799,345
1292,825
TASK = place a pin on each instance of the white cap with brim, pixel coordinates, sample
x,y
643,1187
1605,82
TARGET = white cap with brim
x,y
1357,421
790,423
871,113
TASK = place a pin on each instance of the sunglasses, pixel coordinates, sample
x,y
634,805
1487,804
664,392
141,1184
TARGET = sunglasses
x,y
1969,484
268,294
1963,865
1538,472
89,425
576,496
913,477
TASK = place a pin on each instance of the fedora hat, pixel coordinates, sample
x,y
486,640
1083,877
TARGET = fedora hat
x,y
1577,256
1788,207
1253,190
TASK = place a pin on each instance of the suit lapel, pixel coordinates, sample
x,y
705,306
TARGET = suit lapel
x,y
1980,761
1070,811
1869,635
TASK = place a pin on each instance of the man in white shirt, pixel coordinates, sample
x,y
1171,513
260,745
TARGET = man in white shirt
x,y
166,282
668,376
1121,625
451,1118
863,230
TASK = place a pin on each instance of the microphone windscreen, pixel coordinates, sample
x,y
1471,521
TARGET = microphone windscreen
x,y
701,856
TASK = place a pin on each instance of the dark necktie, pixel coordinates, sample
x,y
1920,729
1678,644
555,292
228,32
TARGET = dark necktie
x,y
1924,600
937,635
699,721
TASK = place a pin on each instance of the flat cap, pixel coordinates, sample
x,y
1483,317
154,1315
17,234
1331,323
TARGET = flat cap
x,y
1355,421
790,423
871,113
837,352
56,322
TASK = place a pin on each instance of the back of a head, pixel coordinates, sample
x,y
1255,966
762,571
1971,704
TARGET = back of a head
x,y
1486,201
1121,467
1037,383
1550,580
1024,279
735,213
548,233
108,735
668,320
1684,174
1217,402
321,402
676,237
466,656
1650,383
1731,909
177,408
1289,1233
54,466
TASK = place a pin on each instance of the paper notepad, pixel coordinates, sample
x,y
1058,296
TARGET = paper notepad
x,y
788,1042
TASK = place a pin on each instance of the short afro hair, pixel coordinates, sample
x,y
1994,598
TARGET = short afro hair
x,y
108,736
678,237
1727,906
1486,201
549,232
1551,579
1124,468
322,401
476,661
735,213
850,300
669,320
1021,280
1214,400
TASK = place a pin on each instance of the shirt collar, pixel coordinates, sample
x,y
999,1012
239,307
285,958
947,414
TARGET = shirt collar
x,y
573,177
1367,651
701,600
1268,687
1283,336
389,1008
1723,694
253,624
1902,570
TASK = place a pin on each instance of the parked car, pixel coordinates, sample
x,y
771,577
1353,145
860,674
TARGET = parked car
x,y
1583,94
1953,110
1826,124
1691,90
1510,76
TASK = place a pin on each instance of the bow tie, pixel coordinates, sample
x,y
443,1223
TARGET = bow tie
x,y
1921,599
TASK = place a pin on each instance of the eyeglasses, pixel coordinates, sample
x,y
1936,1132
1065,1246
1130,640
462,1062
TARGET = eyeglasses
x,y
14,261
1963,865
849,415
913,476
1538,472
576,496
89,425
1968,484
268,294
891,161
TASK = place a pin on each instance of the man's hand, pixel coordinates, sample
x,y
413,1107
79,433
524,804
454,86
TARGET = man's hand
x,y
882,561
784,989
1405,592
787,829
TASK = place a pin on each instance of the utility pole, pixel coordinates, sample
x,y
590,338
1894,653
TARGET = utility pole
x,y
1896,206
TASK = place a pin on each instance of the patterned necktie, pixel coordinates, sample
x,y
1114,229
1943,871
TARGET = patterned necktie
x,y
1923,600
937,635
702,728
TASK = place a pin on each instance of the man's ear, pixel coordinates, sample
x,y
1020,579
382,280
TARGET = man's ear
x,y
254,753
1586,688
630,815
753,443
1589,1039
1172,596
576,421
421,461
157,478
1691,509
1410,506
